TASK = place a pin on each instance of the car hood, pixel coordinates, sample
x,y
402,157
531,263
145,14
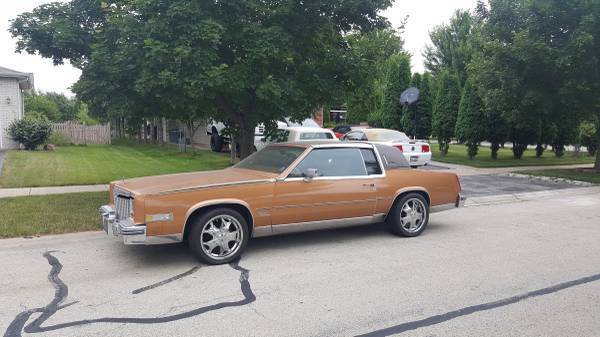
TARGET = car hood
x,y
192,180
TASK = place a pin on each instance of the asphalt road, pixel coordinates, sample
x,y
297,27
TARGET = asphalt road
x,y
495,184
519,269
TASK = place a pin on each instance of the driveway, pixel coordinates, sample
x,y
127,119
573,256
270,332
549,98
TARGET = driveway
x,y
519,269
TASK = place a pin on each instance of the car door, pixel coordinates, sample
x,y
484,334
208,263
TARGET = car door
x,y
341,189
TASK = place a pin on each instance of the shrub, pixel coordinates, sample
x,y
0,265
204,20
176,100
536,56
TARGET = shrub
x,y
30,131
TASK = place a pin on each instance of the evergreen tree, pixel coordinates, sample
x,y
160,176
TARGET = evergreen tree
x,y
445,109
397,80
421,110
470,122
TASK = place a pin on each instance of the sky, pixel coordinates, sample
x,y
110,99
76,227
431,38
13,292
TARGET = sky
x,y
423,16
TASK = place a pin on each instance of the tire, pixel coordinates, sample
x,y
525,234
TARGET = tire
x,y
405,223
414,166
209,236
216,141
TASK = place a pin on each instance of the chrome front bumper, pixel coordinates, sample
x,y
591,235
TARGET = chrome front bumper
x,y
124,229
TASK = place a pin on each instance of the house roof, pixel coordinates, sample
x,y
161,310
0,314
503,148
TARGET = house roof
x,y
25,79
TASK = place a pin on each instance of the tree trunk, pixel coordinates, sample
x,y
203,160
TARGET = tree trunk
x,y
495,147
164,131
245,140
539,150
518,150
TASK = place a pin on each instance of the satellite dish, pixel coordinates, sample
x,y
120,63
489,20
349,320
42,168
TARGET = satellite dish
x,y
409,96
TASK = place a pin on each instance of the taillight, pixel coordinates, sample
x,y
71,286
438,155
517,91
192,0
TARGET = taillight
x,y
425,148
458,181
399,147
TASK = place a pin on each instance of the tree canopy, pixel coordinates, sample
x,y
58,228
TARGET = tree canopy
x,y
242,62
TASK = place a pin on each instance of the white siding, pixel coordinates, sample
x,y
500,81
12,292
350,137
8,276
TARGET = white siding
x,y
9,88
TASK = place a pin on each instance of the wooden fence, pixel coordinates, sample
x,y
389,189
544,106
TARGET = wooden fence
x,y
83,134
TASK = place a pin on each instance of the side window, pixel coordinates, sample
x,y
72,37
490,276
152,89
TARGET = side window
x,y
335,162
371,163
356,135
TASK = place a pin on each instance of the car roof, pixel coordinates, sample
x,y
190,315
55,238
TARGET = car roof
x,y
326,143
306,129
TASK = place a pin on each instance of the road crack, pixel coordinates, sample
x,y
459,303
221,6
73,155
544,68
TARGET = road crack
x,y
19,323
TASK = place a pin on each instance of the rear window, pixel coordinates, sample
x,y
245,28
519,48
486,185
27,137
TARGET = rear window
x,y
386,135
392,157
316,135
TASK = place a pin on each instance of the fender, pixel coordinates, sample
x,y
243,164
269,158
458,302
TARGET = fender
x,y
409,189
214,202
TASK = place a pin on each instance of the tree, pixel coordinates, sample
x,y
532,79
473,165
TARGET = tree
x,y
452,46
38,104
422,109
369,52
397,80
445,109
470,123
242,62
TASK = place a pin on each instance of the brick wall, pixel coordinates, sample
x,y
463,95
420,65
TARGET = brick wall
x,y
9,88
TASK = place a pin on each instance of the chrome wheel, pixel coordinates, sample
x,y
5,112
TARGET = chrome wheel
x,y
412,215
221,236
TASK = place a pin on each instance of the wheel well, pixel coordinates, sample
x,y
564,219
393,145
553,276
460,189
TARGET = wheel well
x,y
422,193
237,207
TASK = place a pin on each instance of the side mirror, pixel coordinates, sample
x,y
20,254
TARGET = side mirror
x,y
310,174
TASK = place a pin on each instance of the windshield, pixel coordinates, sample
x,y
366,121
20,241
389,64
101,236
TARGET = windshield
x,y
274,159
386,135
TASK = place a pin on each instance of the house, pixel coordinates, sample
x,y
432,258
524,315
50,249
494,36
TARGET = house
x,y
12,85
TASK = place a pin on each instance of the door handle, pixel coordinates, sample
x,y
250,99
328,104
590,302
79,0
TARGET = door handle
x,y
369,185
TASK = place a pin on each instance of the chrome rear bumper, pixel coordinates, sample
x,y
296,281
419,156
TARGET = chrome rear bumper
x,y
124,229
460,200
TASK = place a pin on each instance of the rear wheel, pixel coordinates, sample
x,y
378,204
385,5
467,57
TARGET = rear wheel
x,y
219,236
410,215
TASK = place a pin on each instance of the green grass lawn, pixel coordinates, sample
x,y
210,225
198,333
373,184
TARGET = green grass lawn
x,y
458,155
50,214
571,174
97,164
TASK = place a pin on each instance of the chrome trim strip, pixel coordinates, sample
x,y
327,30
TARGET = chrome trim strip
x,y
200,187
261,231
327,203
164,239
317,225
441,208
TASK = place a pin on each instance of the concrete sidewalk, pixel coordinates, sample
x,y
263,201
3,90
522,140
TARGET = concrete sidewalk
x,y
464,170
29,191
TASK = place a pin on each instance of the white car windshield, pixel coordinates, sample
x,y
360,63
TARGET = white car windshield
x,y
274,159
386,135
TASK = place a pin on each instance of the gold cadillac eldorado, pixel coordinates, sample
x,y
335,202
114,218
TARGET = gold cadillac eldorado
x,y
283,188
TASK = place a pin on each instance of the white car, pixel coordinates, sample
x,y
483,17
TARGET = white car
x,y
294,134
416,152
217,137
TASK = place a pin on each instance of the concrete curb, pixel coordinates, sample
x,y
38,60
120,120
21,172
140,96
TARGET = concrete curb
x,y
29,191
530,196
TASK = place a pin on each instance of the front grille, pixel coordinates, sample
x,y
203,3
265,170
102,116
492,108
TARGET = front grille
x,y
123,204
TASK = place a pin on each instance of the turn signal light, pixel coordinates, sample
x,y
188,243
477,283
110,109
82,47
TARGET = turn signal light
x,y
399,147
425,148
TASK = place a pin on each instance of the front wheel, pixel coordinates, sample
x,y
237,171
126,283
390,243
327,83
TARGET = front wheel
x,y
219,236
410,215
